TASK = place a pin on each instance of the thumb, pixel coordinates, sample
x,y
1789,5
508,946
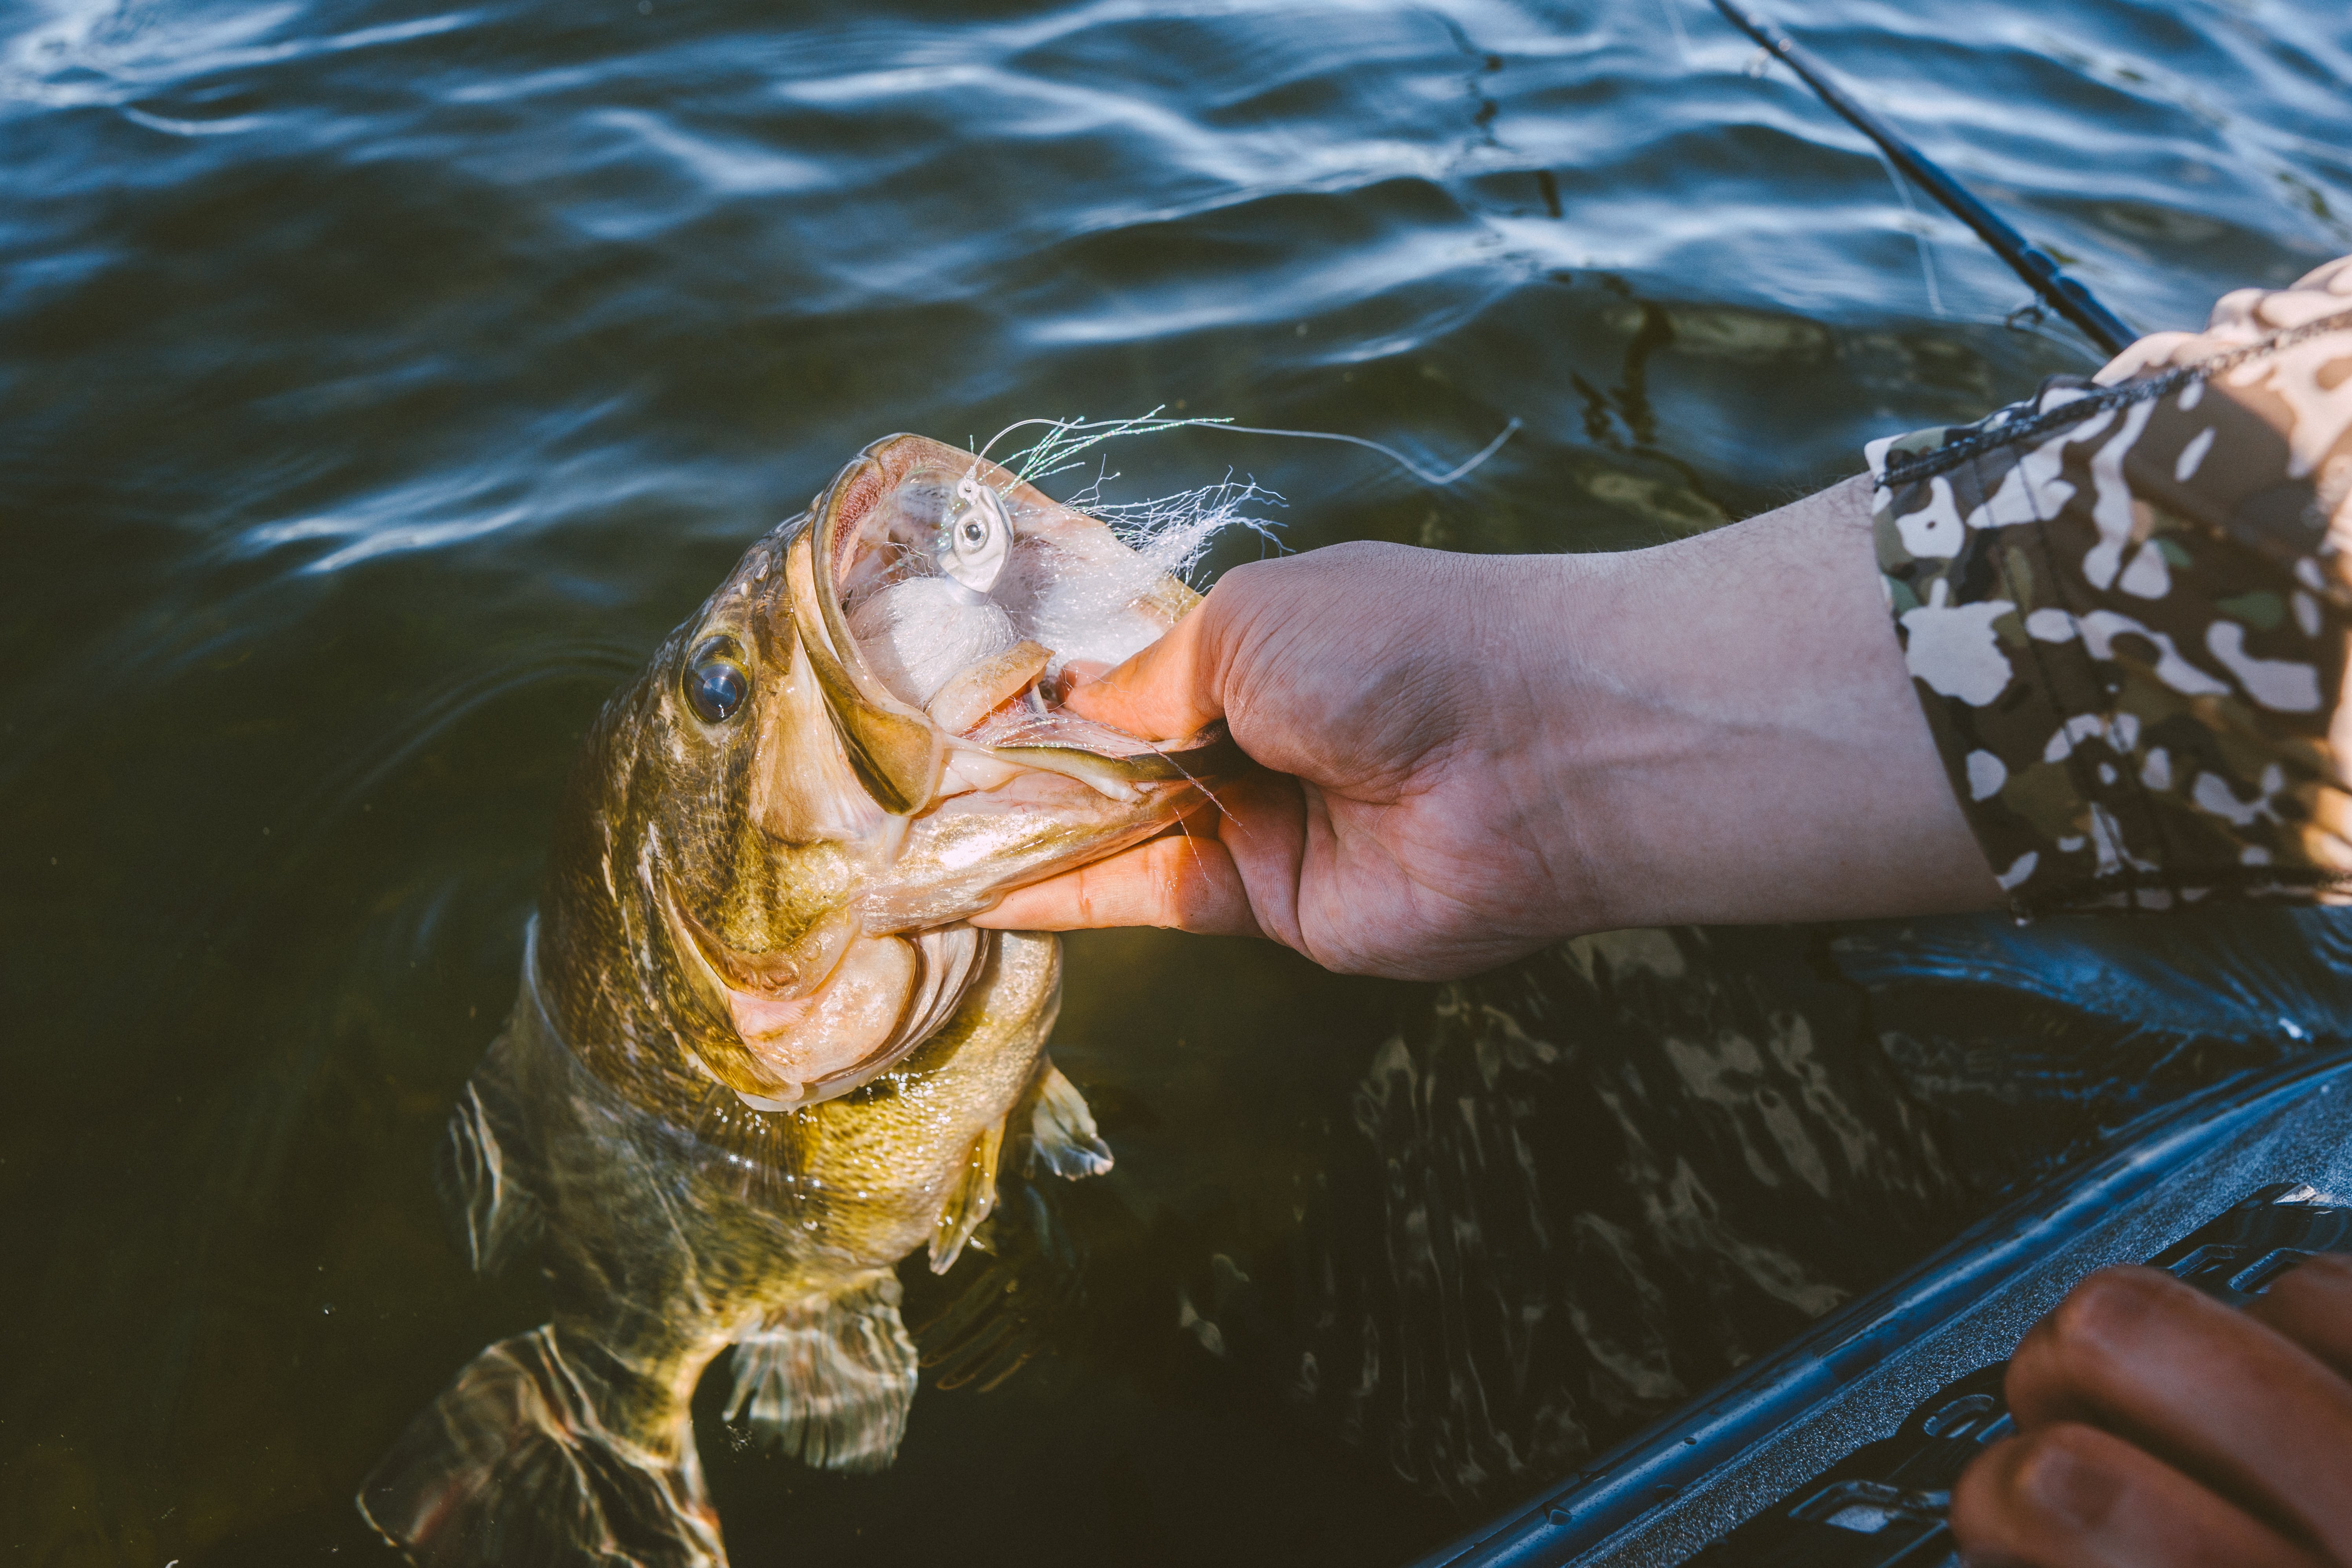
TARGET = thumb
x,y
1168,692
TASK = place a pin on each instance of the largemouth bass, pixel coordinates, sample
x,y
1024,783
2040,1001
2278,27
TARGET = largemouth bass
x,y
758,1056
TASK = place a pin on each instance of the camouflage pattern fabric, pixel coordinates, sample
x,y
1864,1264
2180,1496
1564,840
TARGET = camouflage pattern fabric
x,y
2125,605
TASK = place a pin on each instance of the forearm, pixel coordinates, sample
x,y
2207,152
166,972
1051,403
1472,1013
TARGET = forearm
x,y
1736,738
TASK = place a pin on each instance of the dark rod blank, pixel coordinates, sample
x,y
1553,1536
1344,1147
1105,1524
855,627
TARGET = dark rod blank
x,y
2067,297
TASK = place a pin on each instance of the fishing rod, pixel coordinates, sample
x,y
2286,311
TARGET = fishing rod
x,y
2066,296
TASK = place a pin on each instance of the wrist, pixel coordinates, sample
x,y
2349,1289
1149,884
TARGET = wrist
x,y
1732,735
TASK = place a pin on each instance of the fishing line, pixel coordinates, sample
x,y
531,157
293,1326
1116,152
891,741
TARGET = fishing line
x,y
2069,298
1672,8
1051,454
1918,230
1425,476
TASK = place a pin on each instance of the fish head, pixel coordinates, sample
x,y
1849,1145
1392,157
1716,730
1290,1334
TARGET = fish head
x,y
778,832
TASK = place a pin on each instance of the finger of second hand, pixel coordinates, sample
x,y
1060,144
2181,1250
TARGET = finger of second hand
x,y
2208,1389
2069,1495
2312,1305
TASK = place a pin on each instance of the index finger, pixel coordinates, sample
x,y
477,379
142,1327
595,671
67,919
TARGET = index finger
x,y
2204,1388
2312,1305
1186,881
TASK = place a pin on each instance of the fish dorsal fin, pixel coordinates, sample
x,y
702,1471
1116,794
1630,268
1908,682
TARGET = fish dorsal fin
x,y
1062,1135
829,1380
970,1198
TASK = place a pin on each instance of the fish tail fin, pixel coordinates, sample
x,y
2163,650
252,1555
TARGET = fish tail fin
x,y
830,1381
512,1468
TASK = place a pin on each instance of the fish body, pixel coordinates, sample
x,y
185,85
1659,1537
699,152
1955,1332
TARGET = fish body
x,y
758,1056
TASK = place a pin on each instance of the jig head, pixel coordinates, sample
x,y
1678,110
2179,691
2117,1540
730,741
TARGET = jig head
x,y
978,535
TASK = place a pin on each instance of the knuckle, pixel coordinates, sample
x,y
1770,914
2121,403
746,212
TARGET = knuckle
x,y
1361,550
1251,580
1166,871
1247,575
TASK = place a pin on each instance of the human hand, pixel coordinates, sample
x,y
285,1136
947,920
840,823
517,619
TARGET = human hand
x,y
2163,1429
1405,701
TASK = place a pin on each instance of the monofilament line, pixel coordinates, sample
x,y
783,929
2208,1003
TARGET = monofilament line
x,y
1064,438
1426,476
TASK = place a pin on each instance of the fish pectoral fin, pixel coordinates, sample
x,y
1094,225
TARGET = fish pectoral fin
x,y
829,1380
970,1199
492,1216
1062,1135
512,1464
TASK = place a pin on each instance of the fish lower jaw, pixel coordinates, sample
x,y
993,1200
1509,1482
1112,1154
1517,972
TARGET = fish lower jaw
x,y
886,996
970,848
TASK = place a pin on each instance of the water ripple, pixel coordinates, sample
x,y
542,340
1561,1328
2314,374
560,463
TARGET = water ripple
x,y
381,379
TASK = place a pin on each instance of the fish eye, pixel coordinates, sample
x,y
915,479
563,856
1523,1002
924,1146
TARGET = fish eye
x,y
715,683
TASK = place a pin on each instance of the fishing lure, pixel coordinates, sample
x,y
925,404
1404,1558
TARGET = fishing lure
x,y
978,535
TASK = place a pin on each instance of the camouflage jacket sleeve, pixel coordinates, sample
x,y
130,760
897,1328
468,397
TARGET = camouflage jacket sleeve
x,y
2125,605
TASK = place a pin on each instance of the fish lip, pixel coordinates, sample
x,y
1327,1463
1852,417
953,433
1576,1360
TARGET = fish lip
x,y
812,575
933,1001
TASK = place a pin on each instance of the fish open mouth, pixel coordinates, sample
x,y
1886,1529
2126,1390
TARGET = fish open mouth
x,y
941,601
937,602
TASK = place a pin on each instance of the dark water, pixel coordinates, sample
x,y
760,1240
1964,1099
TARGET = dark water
x,y
377,383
